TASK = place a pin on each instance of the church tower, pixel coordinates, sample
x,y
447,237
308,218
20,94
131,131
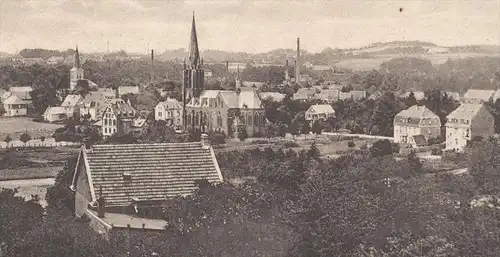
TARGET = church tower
x,y
193,75
76,73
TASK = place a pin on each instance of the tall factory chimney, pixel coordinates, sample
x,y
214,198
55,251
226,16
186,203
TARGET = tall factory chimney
x,y
152,66
297,63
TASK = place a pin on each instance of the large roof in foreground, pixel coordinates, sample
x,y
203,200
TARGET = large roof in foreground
x,y
147,172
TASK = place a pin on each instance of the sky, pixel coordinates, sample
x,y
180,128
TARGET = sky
x,y
243,25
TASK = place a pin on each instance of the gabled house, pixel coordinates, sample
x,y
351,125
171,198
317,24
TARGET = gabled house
x,y
117,118
319,112
15,106
170,111
414,122
92,104
55,114
125,186
304,94
467,122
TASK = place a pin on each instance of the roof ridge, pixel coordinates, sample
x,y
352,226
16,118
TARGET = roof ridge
x,y
152,144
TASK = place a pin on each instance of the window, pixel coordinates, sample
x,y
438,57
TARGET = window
x,y
105,122
114,122
105,130
159,114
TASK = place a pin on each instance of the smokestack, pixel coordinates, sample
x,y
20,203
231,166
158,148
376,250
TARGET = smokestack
x,y
227,66
297,63
152,65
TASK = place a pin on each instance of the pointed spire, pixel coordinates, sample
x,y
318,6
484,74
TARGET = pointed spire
x,y
194,53
77,58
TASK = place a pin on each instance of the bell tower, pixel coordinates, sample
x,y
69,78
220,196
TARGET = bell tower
x,y
76,73
193,74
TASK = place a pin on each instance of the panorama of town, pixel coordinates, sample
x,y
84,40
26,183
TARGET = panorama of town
x,y
386,150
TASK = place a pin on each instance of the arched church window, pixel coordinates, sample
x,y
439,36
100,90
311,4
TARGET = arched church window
x,y
256,119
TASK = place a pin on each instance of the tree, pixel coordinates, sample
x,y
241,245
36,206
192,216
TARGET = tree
x,y
316,127
242,133
381,148
415,164
8,139
2,109
25,137
350,144
217,138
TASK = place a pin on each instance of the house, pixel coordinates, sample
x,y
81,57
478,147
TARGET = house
x,y
319,112
467,122
108,93
138,125
375,95
414,121
304,94
15,106
170,111
117,118
124,187
477,96
321,68
124,90
354,95
273,96
53,114
92,104
227,112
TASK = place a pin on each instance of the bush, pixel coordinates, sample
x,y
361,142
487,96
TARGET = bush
x,y
436,151
351,144
217,138
290,144
242,133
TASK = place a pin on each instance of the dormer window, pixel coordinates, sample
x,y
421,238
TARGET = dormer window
x,y
127,176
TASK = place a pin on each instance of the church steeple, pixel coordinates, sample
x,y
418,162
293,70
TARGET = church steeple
x,y
76,64
194,52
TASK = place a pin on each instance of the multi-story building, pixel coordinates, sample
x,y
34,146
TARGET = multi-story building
x,y
117,118
170,111
226,111
413,123
467,122
15,106
321,112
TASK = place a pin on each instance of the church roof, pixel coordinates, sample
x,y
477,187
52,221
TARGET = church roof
x,y
77,59
147,172
194,53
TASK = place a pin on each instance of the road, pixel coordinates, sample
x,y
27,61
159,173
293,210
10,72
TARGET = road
x,y
28,187
357,135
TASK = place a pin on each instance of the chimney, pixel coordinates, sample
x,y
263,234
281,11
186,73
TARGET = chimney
x,y
205,143
152,65
101,204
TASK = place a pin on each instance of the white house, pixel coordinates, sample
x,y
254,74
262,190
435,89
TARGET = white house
x,y
53,114
124,90
170,111
15,106
413,123
319,112
465,123
478,96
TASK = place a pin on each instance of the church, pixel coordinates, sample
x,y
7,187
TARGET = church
x,y
228,111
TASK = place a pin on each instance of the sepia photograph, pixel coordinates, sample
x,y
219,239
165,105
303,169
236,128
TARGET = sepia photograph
x,y
249,128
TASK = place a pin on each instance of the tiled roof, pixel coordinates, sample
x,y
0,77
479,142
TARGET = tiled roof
x,y
71,100
416,115
419,140
321,108
128,90
277,97
156,171
21,89
479,94
232,99
14,99
465,111
171,103
122,108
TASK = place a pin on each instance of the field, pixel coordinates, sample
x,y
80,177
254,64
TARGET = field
x,y
18,125
34,163
374,63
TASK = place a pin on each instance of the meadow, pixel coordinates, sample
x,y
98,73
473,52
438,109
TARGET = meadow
x,y
14,127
